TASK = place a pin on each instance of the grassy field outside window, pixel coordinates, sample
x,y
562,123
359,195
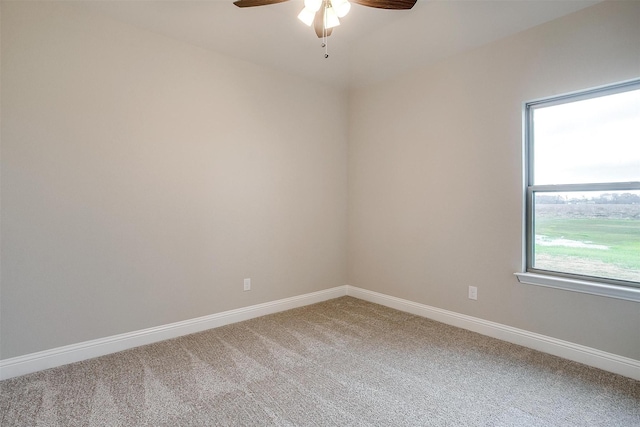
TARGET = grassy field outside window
x,y
600,240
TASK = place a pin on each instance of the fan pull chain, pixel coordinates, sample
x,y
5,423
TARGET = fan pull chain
x,y
324,33
325,46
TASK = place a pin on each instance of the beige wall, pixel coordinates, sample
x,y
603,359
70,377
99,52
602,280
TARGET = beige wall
x,y
143,179
435,177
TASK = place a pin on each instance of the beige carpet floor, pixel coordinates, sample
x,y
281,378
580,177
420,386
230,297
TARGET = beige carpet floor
x,y
344,362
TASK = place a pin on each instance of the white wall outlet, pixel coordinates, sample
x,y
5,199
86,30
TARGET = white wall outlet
x,y
473,292
247,284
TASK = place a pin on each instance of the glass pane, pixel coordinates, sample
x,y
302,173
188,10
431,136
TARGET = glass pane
x,y
588,233
588,141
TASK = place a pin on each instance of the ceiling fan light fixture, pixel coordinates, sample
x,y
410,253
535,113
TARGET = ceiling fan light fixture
x,y
330,18
342,7
307,16
313,5
324,15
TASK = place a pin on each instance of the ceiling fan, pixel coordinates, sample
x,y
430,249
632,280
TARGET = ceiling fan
x,y
326,14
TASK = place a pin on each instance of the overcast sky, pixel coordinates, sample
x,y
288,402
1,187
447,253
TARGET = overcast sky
x,y
594,140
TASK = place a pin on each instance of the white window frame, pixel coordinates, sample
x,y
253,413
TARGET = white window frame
x,y
571,282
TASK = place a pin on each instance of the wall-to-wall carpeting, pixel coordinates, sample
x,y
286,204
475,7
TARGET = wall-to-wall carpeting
x,y
343,362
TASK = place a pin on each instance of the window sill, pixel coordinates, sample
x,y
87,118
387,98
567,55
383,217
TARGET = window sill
x,y
583,286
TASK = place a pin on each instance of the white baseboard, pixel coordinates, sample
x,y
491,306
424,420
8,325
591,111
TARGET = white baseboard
x,y
578,353
41,360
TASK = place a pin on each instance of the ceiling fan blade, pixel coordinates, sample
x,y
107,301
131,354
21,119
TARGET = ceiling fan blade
x,y
318,24
252,3
387,4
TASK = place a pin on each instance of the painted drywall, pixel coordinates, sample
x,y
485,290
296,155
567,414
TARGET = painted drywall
x,y
143,179
435,177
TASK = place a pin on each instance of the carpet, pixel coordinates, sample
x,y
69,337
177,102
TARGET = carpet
x,y
343,362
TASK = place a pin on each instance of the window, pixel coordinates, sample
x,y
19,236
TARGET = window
x,y
583,191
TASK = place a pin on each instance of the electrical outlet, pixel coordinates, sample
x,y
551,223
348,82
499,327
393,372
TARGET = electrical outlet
x,y
247,284
473,292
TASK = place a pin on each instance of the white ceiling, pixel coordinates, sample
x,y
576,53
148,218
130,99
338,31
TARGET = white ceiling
x,y
369,46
